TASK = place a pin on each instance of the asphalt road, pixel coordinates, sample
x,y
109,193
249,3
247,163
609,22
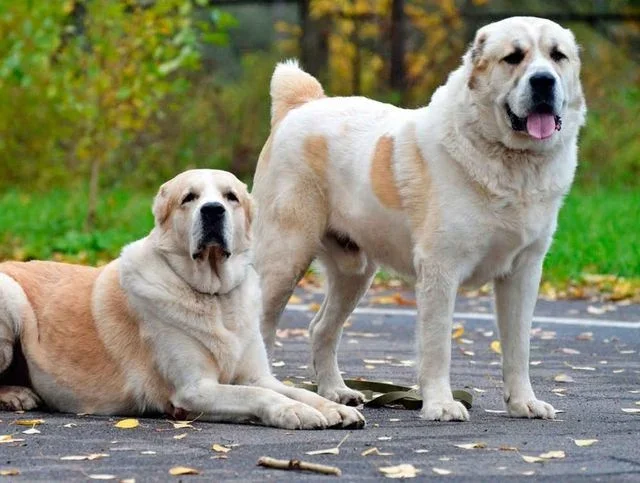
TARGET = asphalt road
x,y
378,344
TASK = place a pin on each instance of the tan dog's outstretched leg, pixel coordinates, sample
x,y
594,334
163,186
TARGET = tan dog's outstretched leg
x,y
343,292
13,303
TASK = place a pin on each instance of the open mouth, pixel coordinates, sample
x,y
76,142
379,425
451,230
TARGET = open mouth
x,y
541,122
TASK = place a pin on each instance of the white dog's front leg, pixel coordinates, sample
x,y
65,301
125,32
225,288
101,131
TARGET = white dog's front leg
x,y
435,295
516,297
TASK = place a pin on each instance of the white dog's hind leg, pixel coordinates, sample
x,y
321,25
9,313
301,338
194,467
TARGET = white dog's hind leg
x,y
343,292
435,296
516,297
13,302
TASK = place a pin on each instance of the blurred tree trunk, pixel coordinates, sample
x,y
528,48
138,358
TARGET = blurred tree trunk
x,y
314,43
397,72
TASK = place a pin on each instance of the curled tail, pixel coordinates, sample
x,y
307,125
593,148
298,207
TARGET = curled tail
x,y
291,87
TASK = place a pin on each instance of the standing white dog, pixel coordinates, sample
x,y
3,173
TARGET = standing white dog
x,y
464,191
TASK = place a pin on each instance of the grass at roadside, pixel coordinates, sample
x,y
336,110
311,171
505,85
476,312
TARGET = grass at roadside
x,y
599,230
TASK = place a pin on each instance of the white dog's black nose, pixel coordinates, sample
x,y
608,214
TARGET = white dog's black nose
x,y
212,211
542,85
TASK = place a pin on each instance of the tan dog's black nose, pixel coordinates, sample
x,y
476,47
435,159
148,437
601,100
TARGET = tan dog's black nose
x,y
212,211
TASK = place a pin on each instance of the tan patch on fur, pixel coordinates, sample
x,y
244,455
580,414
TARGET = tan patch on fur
x,y
383,181
316,155
61,337
163,205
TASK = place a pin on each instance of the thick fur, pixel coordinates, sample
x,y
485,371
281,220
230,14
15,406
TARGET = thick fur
x,y
451,194
171,326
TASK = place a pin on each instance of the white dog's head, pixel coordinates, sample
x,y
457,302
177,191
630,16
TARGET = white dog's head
x,y
203,216
524,79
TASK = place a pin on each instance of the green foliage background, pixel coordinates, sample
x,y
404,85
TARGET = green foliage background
x,y
142,90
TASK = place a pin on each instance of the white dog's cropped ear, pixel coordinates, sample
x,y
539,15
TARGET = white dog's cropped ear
x,y
475,58
161,208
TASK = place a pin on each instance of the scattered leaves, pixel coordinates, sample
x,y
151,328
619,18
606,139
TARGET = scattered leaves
x,y
441,471
127,423
7,438
585,442
85,457
477,445
631,410
553,455
102,477
496,347
335,450
31,431
9,472
183,470
563,378
29,422
400,471
458,331
532,459
218,448
374,451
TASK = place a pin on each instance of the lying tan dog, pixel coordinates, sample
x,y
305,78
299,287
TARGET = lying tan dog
x,y
171,326
462,192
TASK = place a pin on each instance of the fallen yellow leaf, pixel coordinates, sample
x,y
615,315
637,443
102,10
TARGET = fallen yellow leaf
x,y
400,471
471,445
182,424
314,307
218,448
183,470
531,459
496,347
7,438
553,455
127,424
563,378
294,299
29,422
441,471
9,472
457,332
585,442
180,436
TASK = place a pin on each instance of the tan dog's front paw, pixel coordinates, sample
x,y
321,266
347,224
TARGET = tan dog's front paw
x,y
341,416
296,416
341,395
445,411
531,408
18,398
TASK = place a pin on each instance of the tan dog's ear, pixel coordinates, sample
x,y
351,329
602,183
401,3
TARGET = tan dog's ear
x,y
475,57
161,208
249,206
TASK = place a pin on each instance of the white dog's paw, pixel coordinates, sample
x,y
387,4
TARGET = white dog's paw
x,y
445,411
530,408
341,395
18,398
339,415
296,416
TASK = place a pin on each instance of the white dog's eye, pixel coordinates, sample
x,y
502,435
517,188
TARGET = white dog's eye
x,y
514,58
557,56
231,196
189,197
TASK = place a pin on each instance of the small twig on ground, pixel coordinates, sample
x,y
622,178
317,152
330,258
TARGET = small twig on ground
x,y
294,464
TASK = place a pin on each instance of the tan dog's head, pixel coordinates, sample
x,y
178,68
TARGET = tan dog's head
x,y
204,214
524,78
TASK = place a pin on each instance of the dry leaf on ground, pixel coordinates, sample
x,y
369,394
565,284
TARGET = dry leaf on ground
x,y
183,470
31,431
585,442
127,424
400,471
458,331
550,455
532,459
218,448
477,445
180,436
9,472
631,410
441,471
102,477
374,451
563,378
335,450
84,457
7,438
496,347
29,422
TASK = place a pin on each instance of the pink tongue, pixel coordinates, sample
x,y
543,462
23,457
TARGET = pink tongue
x,y
541,126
